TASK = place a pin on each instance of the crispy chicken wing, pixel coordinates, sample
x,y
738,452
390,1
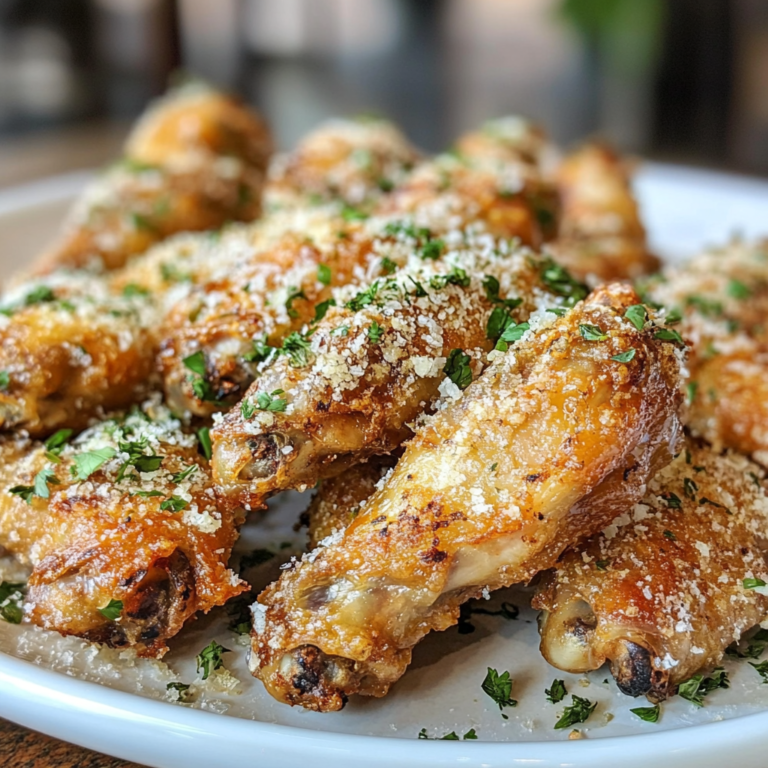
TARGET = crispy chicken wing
x,y
375,362
69,348
722,296
664,589
353,161
196,160
600,232
121,527
546,447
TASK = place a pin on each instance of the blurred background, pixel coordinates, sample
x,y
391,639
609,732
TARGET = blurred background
x,y
676,80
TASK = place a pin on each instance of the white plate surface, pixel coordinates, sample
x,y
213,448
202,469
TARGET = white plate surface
x,y
116,704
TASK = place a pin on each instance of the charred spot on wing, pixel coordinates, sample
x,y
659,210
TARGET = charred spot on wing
x,y
629,470
633,669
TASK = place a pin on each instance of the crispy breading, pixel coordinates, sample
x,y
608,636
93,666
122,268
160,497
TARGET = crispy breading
x,y
722,296
374,363
600,233
195,160
148,535
338,500
660,593
546,447
69,349
354,161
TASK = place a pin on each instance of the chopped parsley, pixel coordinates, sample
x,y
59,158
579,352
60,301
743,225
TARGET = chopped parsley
x,y
601,565
200,385
323,274
5,380
561,282
497,323
432,249
457,276
672,500
375,332
691,388
511,334
557,692
297,348
637,314
592,332
180,477
350,213
11,598
457,368
624,357
321,309
673,317
364,298
697,687
388,266
54,445
39,295
39,486
182,690
690,488
209,659
174,504
669,535
261,350
753,583
492,288
112,610
558,311
470,734
499,688
737,290
204,438
649,714
578,712
667,334
137,458
87,462
132,290
293,294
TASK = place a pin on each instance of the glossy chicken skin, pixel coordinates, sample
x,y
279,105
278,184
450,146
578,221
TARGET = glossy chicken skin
x,y
660,592
151,539
350,392
600,233
195,160
545,448
69,349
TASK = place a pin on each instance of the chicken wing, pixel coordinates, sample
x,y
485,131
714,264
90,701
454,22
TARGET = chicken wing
x,y
196,160
665,588
121,527
722,297
600,232
349,389
68,349
353,161
546,447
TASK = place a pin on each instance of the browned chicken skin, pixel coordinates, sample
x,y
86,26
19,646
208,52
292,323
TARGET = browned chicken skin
x,y
660,593
549,444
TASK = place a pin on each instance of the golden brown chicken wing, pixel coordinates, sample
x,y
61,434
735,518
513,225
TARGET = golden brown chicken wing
x,y
196,160
121,527
350,388
558,436
673,581
600,232
353,161
69,349
722,298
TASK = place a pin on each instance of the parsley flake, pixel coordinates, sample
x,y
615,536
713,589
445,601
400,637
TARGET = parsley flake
x,y
174,504
375,332
261,350
649,714
87,462
5,380
182,690
293,294
209,659
753,583
592,332
666,334
762,669
321,309
112,610
11,599
697,687
624,357
637,314
737,290
297,348
561,282
204,438
557,692
323,274
578,712
499,688
511,334
457,368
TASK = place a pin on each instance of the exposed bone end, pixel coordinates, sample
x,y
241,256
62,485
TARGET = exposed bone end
x,y
310,678
566,637
633,668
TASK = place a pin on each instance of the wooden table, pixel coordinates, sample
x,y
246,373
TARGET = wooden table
x,y
22,748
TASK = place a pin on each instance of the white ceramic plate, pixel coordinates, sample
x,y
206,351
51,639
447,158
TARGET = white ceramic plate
x,y
116,704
